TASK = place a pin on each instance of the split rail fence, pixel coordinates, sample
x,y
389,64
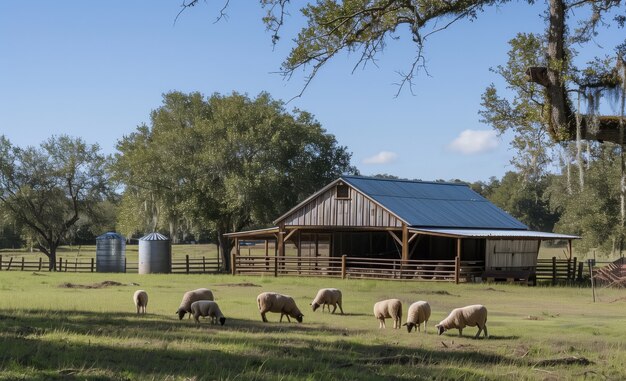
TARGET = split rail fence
x,y
188,265
354,267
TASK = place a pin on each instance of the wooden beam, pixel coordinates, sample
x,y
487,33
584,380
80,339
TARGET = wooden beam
x,y
415,235
405,243
569,248
395,237
280,242
290,234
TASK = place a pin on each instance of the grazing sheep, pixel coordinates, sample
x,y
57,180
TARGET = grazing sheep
x,y
190,297
418,312
470,316
275,302
327,297
390,308
207,308
141,301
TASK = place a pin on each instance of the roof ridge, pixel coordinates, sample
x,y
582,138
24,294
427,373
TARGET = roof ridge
x,y
405,180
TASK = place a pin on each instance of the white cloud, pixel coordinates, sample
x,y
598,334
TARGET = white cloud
x,y
471,142
383,157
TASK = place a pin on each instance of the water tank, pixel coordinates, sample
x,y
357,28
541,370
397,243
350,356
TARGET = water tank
x,y
110,253
155,254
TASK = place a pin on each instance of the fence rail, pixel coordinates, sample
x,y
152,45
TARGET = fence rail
x,y
356,267
188,265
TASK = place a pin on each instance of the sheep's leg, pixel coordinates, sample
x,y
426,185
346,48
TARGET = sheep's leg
x,y
425,326
263,316
289,320
334,309
485,331
138,310
340,308
460,332
478,333
381,323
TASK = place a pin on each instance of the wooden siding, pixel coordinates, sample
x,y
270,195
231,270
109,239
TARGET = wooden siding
x,y
327,210
501,254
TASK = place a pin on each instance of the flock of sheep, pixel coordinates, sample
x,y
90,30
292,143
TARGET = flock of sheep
x,y
200,303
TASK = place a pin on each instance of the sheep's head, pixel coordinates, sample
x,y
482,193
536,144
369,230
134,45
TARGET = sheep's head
x,y
315,306
299,318
222,320
440,329
181,313
409,326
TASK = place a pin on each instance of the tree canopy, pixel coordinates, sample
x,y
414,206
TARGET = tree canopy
x,y
222,163
46,190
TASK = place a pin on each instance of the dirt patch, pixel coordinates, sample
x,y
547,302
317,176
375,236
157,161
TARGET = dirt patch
x,y
436,292
572,360
106,283
244,284
532,317
492,289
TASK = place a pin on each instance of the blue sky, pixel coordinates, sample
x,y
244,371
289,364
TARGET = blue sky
x,y
97,69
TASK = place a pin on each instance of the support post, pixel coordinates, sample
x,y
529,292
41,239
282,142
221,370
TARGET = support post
x,y
553,270
40,263
281,243
574,269
275,266
0,262
343,266
457,269
299,248
405,243
580,271
22,268
267,257
203,264
233,263
187,263
237,246
60,264
92,266
569,248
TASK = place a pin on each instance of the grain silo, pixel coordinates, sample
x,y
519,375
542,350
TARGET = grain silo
x,y
110,253
155,254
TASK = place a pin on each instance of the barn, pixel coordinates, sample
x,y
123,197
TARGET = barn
x,y
424,230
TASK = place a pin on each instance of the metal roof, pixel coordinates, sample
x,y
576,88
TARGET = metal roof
x,y
154,237
493,233
110,235
258,233
434,204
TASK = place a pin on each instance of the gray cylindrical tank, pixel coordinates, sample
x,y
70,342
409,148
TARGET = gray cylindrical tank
x,y
155,254
110,253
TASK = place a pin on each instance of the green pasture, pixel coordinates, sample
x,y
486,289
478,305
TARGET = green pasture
x,y
49,331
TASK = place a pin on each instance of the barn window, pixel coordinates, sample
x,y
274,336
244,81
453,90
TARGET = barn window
x,y
343,191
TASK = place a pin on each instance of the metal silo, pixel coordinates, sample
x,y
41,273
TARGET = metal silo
x,y
110,253
155,254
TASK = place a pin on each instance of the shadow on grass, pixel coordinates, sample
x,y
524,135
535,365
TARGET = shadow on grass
x,y
121,346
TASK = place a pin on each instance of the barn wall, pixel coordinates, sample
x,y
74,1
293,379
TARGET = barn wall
x,y
511,253
327,210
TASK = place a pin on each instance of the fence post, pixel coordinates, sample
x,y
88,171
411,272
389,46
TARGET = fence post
x,y
574,270
0,262
187,263
76,265
125,263
275,266
457,269
40,263
22,268
553,270
10,261
203,265
66,264
343,266
60,264
233,263
580,271
91,264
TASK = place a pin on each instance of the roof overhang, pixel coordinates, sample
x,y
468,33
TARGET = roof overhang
x,y
268,233
492,233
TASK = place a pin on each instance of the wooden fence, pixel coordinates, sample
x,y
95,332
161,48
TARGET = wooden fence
x,y
559,270
188,265
354,267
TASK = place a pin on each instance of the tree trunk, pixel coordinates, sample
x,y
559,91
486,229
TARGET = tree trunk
x,y
622,184
556,63
224,249
52,258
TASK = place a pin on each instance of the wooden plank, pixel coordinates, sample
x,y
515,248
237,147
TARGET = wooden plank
x,y
393,234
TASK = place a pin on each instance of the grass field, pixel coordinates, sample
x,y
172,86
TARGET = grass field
x,y
50,331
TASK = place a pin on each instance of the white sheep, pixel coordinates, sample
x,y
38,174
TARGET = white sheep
x,y
190,297
470,316
419,312
275,302
140,297
390,308
206,308
327,297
